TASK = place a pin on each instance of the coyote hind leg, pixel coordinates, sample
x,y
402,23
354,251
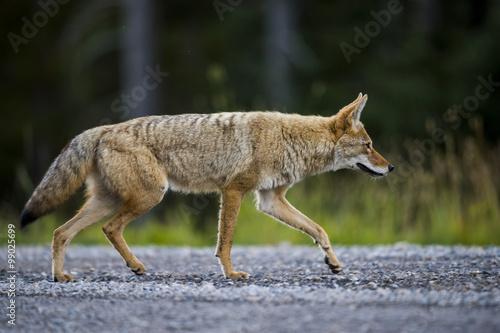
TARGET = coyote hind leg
x,y
137,178
94,210
139,201
113,229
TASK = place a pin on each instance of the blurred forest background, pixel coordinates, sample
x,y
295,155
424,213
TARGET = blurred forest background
x,y
431,69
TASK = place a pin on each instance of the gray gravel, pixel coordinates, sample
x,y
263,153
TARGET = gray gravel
x,y
400,288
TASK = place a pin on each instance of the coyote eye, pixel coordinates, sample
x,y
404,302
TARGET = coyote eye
x,y
368,145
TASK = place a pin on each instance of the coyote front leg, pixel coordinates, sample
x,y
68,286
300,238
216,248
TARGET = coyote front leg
x,y
230,206
273,203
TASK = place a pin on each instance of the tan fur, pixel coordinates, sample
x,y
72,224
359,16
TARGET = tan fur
x,y
128,167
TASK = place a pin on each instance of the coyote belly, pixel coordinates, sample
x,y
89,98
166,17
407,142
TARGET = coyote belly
x,y
128,167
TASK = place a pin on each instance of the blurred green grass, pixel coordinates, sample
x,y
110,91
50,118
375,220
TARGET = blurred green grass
x,y
451,198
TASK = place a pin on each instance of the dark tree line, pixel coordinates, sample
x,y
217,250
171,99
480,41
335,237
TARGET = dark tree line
x,y
68,66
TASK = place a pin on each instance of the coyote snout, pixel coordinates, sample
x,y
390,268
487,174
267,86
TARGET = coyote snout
x,y
374,171
128,168
374,164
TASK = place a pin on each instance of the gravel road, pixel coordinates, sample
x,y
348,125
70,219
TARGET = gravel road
x,y
400,288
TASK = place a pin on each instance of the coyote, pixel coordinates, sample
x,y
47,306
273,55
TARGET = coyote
x,y
129,166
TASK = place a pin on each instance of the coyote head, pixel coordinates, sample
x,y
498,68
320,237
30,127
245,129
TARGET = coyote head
x,y
353,147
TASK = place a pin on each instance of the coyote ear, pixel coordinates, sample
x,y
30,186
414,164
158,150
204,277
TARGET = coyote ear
x,y
356,113
348,108
349,115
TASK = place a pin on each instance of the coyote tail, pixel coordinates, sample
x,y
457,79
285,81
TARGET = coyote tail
x,y
64,176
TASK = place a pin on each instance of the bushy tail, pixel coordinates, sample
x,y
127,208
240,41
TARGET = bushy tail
x,y
65,175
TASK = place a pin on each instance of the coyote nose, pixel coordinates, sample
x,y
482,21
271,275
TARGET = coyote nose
x,y
391,167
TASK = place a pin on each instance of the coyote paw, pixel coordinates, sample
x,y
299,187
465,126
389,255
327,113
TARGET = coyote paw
x,y
236,275
138,268
335,268
63,277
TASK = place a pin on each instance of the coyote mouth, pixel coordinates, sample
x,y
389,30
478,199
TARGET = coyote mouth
x,y
369,171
